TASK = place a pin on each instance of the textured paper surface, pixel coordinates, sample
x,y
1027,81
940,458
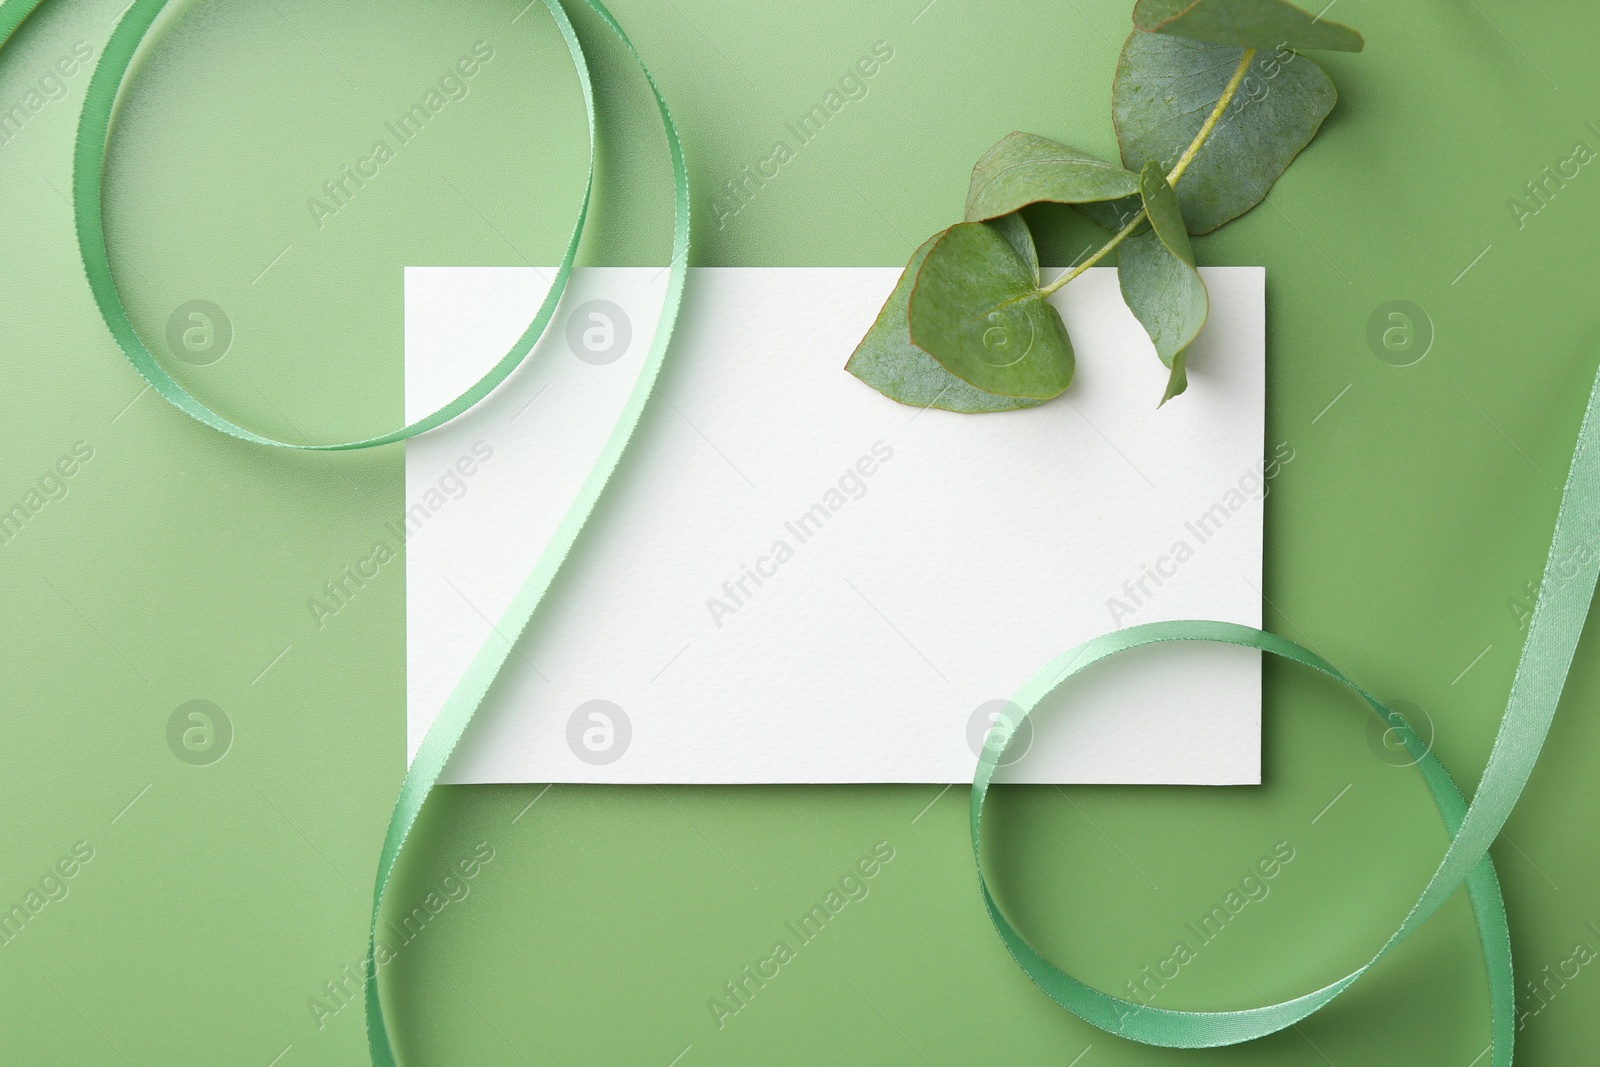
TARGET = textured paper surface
x,y
794,579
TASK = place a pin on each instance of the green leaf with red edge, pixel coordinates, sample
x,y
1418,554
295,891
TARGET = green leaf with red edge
x,y
1024,168
1245,24
888,361
977,309
1159,281
1166,86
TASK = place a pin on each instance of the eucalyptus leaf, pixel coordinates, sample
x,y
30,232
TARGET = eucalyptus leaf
x,y
977,309
1014,228
1166,86
1159,280
1027,169
888,361
1245,24
1161,207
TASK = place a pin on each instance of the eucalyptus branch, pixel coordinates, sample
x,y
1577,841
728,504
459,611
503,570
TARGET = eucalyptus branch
x,y
1173,175
970,327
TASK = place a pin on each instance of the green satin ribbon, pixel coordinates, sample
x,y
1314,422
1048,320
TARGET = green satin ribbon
x,y
87,173
1189,1029
1565,594
1553,631
451,723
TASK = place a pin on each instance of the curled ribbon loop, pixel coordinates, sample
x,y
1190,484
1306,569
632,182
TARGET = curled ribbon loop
x,y
1186,1029
88,171
463,702
1565,594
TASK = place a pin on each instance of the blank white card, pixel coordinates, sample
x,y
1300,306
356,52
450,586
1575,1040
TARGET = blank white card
x,y
792,578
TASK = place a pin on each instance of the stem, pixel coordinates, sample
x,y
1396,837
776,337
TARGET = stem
x,y
1173,175
1212,119
1105,250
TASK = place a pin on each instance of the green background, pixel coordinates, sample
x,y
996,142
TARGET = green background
x,y
221,897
